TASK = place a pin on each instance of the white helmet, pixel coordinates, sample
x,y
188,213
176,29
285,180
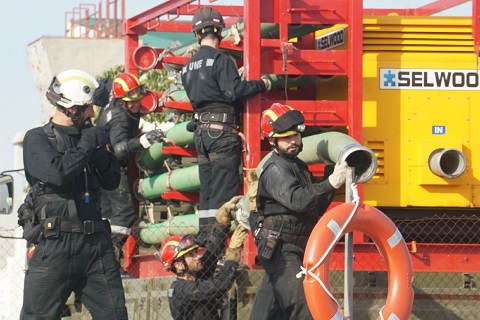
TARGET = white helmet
x,y
72,88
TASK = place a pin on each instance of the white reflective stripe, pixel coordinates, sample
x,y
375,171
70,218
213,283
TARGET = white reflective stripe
x,y
203,214
120,229
395,238
393,316
212,212
210,62
333,225
337,316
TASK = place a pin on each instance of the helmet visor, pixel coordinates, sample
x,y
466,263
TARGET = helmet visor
x,y
299,129
289,121
135,94
186,244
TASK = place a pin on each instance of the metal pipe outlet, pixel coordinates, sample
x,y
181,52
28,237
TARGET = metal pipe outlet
x,y
447,162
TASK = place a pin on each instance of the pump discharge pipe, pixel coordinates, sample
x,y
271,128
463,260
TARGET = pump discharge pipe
x,y
329,147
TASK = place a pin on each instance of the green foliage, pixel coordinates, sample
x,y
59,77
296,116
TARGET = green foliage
x,y
155,80
111,73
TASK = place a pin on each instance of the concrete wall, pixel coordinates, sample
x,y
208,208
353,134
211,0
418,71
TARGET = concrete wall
x,y
48,56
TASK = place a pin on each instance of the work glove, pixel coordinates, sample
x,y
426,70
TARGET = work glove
x,y
149,138
267,82
251,180
337,178
236,242
94,136
225,214
101,159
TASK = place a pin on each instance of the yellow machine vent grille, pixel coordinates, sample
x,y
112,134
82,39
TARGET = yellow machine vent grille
x,y
417,34
378,147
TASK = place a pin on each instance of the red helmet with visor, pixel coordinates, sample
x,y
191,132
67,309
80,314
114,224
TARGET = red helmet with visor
x,y
127,87
174,248
281,120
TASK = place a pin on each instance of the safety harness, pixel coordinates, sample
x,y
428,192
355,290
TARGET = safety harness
x,y
72,224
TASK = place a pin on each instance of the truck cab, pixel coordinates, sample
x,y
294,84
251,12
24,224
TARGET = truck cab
x,y
12,250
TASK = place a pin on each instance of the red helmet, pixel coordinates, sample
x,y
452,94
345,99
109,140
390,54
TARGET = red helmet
x,y
176,247
281,120
127,87
169,250
186,244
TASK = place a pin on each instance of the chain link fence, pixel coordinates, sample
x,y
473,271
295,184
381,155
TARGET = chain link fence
x,y
439,294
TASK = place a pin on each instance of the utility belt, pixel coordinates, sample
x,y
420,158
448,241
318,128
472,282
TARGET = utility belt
x,y
77,196
32,215
207,117
217,127
85,227
72,224
296,240
53,226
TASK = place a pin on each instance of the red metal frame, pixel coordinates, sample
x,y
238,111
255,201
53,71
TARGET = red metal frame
x,y
277,56
427,258
281,56
476,27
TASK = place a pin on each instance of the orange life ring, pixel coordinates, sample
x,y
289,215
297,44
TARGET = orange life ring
x,y
390,243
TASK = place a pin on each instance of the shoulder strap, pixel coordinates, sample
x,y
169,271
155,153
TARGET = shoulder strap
x,y
55,141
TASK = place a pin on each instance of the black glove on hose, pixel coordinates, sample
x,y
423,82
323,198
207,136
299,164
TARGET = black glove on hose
x,y
101,159
149,138
94,136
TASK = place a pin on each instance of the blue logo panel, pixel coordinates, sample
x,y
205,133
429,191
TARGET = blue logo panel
x,y
439,130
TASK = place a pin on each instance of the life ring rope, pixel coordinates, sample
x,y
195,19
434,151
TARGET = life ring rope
x,y
390,242
338,233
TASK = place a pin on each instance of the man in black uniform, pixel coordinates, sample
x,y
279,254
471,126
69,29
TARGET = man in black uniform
x,y
121,120
289,204
67,164
198,291
216,92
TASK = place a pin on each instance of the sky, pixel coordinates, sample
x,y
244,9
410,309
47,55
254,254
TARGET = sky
x,y
23,22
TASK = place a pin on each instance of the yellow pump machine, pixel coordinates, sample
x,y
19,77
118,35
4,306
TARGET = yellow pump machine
x,y
421,92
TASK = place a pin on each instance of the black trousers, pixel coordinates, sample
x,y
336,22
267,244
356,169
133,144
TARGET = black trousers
x,y
118,206
265,306
219,159
74,262
280,294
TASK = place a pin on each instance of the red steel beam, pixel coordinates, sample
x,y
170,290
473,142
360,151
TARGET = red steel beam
x,y
306,62
180,196
476,27
150,19
180,151
429,258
